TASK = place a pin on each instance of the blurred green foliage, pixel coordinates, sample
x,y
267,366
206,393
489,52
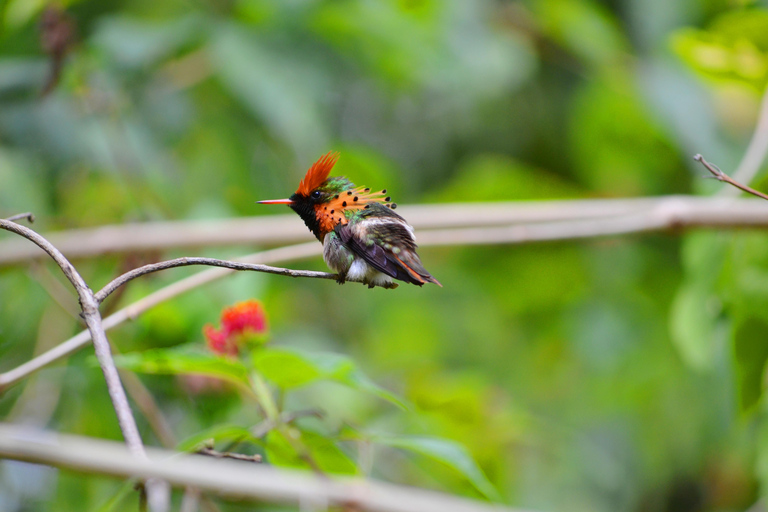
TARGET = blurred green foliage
x,y
610,375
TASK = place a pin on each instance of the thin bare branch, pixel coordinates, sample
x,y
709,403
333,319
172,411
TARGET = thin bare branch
x,y
93,321
210,452
19,216
229,478
211,262
721,176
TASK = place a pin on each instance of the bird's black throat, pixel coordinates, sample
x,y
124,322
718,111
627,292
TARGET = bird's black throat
x,y
306,210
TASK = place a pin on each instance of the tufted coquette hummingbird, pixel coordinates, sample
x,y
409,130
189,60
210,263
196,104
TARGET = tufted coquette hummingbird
x,y
363,238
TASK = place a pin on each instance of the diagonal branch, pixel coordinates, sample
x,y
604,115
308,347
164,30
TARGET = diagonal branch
x,y
721,176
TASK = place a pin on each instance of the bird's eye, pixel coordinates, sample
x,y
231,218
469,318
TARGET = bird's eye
x,y
315,194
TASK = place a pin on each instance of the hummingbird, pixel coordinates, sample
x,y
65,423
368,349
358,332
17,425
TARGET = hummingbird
x,y
363,238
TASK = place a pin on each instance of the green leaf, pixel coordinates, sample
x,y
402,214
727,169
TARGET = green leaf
x,y
733,49
291,368
285,369
750,347
185,360
449,453
295,453
227,432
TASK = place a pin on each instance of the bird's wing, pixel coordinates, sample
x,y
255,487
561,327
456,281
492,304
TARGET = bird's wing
x,y
387,244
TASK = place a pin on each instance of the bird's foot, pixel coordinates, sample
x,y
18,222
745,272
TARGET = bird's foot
x,y
387,286
341,279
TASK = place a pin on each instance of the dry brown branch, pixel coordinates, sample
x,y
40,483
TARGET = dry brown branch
x,y
229,478
721,176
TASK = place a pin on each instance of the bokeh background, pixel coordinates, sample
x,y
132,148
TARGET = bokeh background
x,y
620,374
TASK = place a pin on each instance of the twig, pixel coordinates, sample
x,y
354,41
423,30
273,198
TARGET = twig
x,y
210,452
230,478
93,321
19,216
721,176
188,261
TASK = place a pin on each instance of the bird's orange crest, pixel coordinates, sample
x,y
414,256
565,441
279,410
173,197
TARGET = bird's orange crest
x,y
318,173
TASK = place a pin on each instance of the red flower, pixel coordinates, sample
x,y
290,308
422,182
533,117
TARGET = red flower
x,y
218,341
239,323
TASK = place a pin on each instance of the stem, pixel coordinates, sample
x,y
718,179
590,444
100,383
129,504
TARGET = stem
x,y
265,398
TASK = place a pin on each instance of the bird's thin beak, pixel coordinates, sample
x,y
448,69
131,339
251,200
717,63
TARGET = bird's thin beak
x,y
275,201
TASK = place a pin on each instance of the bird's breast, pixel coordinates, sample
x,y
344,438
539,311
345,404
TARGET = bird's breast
x,y
328,218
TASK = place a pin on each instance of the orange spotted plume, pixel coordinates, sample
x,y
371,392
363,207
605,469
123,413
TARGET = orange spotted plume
x,y
318,173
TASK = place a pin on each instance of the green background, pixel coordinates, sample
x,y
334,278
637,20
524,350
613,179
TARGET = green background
x,y
621,374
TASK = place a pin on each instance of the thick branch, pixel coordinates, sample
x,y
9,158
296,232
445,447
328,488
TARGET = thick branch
x,y
229,478
559,220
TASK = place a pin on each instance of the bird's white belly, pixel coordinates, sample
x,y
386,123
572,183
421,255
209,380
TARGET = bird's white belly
x,y
359,270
